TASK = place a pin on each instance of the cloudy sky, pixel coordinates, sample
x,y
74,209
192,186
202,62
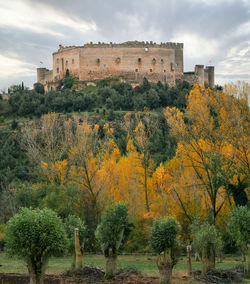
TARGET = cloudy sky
x,y
214,32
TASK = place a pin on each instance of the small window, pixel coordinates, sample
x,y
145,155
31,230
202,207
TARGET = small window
x,y
73,61
146,48
139,60
150,70
66,62
136,70
153,60
57,60
162,61
98,60
176,64
164,71
57,70
118,60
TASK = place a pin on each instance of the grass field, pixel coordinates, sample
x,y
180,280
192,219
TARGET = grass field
x,y
145,264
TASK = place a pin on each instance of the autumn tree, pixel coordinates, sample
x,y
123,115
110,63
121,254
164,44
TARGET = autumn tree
x,y
202,147
141,129
234,125
72,153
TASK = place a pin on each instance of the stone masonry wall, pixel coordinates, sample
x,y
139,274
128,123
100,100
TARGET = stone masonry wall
x,y
162,62
132,61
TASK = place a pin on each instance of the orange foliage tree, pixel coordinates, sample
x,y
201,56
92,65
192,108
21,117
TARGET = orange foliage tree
x,y
140,129
205,145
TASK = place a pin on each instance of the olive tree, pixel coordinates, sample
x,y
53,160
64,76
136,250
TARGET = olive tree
x,y
207,241
76,239
239,228
163,241
112,234
35,236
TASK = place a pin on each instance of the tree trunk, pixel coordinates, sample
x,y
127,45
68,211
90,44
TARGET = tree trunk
x,y
165,265
111,266
146,189
165,275
208,258
78,253
36,279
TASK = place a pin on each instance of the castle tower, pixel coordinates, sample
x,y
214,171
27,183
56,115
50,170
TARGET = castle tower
x,y
199,72
210,70
40,74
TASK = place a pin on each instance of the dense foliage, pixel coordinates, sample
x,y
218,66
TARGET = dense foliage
x,y
163,234
239,227
112,96
35,236
112,232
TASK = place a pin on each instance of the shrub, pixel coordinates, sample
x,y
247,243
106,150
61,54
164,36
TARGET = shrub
x,y
163,242
207,240
112,234
35,236
240,231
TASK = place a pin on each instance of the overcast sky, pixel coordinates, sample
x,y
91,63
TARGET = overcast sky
x,y
214,32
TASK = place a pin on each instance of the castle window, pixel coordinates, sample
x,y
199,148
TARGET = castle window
x,y
164,71
136,70
98,60
57,60
153,60
118,59
150,70
139,60
73,61
66,62
176,64
146,48
162,61
57,70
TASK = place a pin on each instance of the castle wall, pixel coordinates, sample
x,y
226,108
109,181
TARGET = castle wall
x,y
66,58
132,61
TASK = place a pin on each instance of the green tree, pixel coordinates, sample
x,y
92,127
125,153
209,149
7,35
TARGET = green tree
x,y
112,234
39,88
207,240
240,230
35,236
163,242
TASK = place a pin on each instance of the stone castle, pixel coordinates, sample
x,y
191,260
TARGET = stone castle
x,y
131,61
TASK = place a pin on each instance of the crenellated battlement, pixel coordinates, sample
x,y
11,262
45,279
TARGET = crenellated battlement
x,y
127,44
